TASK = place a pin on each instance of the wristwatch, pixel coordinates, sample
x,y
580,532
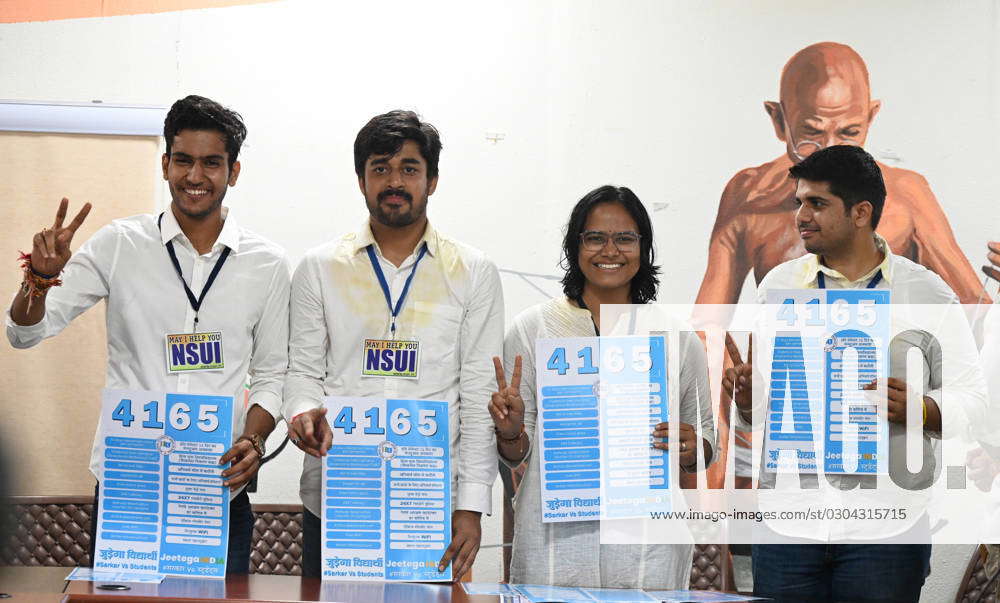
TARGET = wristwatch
x,y
256,441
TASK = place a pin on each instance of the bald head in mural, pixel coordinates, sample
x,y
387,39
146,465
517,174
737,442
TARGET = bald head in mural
x,y
825,100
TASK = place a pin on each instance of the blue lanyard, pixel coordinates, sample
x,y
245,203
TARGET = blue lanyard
x,y
821,280
194,301
385,286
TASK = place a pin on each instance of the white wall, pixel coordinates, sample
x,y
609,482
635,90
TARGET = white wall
x,y
665,97
948,563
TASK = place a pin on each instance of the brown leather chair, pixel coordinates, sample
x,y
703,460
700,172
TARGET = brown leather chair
x,y
978,585
49,530
277,540
55,531
712,568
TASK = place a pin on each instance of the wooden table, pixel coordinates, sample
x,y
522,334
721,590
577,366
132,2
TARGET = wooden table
x,y
49,585
33,584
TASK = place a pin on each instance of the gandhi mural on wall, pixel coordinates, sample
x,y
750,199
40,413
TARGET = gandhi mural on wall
x,y
825,99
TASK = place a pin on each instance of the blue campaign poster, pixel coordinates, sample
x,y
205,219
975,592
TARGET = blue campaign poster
x,y
386,490
567,434
854,355
592,388
163,506
826,345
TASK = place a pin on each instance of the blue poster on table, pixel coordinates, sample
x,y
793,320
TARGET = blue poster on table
x,y
573,377
826,345
386,490
163,507
539,593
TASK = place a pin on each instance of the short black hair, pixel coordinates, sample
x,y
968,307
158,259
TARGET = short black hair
x,y
195,112
385,134
645,282
853,175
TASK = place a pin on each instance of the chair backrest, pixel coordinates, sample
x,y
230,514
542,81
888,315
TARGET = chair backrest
x,y
50,531
712,568
55,531
277,540
978,585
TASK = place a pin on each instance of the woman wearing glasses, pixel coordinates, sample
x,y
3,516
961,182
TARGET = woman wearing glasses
x,y
608,259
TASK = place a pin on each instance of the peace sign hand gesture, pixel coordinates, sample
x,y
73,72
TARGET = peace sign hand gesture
x,y
506,405
738,379
50,247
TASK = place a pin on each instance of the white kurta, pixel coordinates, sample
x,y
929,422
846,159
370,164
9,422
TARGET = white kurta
x,y
570,553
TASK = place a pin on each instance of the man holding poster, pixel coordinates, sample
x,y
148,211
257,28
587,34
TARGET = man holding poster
x,y
161,336
393,314
840,194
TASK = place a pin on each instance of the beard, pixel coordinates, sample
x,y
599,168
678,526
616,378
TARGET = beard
x,y
833,241
397,218
813,247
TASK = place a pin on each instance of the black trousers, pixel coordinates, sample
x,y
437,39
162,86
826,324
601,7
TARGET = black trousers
x,y
311,529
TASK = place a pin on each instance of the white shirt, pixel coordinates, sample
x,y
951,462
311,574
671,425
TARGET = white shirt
x,y
454,308
126,264
572,553
953,380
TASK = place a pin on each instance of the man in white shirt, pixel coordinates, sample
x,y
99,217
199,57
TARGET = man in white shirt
x,y
397,278
147,268
840,194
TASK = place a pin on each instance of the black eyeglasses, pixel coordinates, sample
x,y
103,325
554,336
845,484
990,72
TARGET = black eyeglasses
x,y
595,240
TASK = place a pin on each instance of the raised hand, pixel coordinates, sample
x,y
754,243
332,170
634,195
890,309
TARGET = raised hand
x,y
982,468
994,258
738,379
506,405
50,247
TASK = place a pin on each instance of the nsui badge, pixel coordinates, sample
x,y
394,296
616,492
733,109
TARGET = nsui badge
x,y
391,358
194,352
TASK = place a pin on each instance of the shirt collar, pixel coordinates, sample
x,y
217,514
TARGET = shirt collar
x,y
229,237
364,237
812,267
